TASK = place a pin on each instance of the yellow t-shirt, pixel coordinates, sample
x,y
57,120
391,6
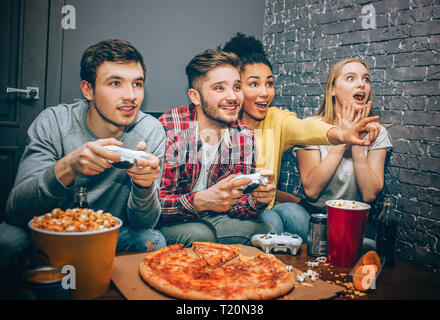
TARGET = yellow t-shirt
x,y
280,131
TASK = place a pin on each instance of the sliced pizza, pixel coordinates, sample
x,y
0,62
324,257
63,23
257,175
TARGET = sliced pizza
x,y
215,254
259,277
173,255
180,273
188,282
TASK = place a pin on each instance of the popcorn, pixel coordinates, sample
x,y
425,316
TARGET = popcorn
x,y
345,204
319,260
312,264
309,275
75,220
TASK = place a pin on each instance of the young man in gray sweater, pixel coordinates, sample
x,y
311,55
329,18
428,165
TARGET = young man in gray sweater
x,y
66,151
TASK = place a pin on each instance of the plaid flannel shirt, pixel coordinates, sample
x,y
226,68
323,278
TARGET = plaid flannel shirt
x,y
182,164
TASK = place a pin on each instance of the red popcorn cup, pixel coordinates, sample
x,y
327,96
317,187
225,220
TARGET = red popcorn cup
x,y
346,220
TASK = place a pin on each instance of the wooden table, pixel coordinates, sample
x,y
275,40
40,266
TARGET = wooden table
x,y
403,282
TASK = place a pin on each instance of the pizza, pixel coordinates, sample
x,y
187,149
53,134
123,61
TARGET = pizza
x,y
198,274
255,278
215,254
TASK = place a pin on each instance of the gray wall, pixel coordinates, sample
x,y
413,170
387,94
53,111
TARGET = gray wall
x,y
167,32
304,38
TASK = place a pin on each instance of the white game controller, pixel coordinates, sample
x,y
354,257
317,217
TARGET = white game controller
x,y
275,242
257,180
128,157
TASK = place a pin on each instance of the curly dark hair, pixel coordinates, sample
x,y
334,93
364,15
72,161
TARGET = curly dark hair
x,y
249,49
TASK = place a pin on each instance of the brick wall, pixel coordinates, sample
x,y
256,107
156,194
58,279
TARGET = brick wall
x,y
304,38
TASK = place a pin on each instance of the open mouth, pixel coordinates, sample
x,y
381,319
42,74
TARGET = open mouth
x,y
229,107
126,108
262,105
360,96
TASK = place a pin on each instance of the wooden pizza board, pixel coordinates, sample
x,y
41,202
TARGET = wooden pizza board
x,y
128,281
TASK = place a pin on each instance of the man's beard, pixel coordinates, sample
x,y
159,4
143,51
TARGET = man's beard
x,y
211,114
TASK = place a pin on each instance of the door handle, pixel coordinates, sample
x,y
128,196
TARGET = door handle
x,y
32,93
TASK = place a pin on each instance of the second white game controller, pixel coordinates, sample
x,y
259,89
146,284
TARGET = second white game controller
x,y
277,243
257,180
128,157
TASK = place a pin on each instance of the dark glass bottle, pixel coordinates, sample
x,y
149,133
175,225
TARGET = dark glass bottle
x,y
387,233
81,198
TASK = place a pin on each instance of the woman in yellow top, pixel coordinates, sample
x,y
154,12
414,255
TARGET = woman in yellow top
x,y
279,130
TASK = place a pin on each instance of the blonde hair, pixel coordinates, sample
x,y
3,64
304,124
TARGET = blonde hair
x,y
327,108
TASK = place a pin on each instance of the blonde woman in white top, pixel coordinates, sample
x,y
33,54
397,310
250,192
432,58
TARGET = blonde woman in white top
x,y
341,171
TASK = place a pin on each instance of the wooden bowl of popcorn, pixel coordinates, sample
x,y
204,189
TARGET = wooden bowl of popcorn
x,y
80,241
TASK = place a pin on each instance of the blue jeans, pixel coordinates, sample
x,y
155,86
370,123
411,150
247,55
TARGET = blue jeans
x,y
136,239
14,253
288,217
293,218
214,228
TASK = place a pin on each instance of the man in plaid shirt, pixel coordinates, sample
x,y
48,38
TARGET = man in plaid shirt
x,y
206,147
